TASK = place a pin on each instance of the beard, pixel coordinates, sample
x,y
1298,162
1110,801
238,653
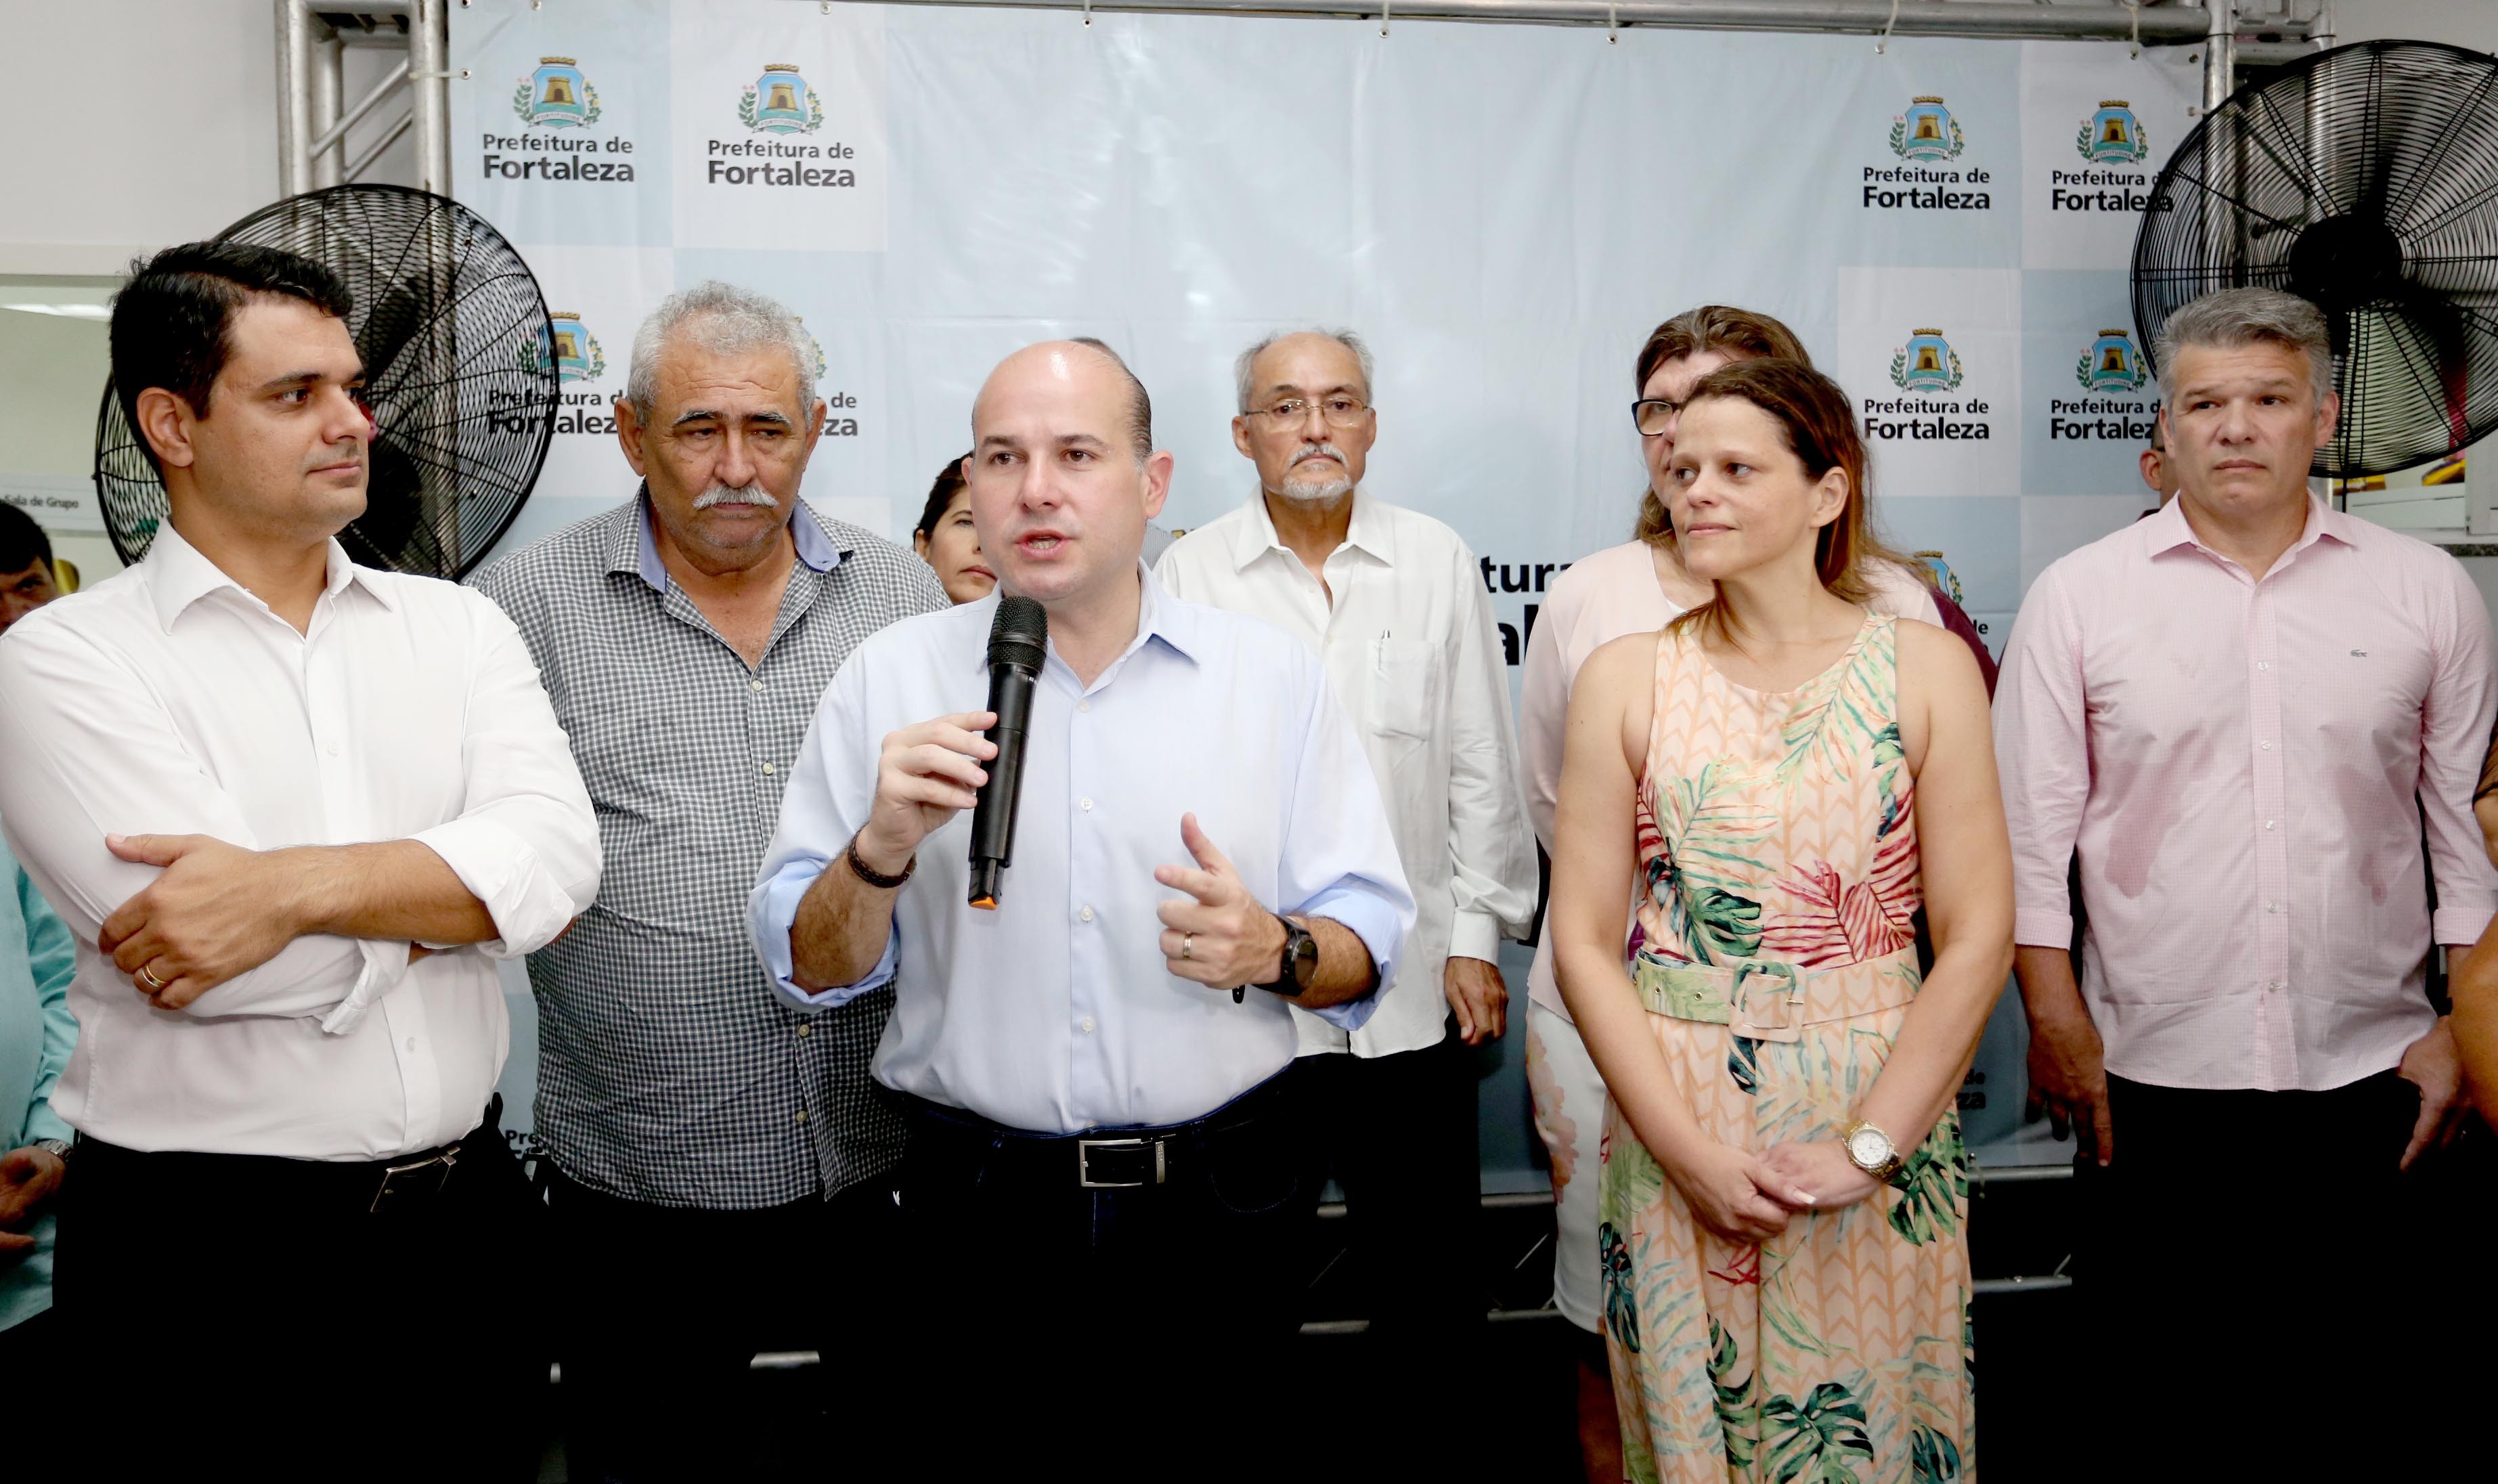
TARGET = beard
x,y
749,493
1318,489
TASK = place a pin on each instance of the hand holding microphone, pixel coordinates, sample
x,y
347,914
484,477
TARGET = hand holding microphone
x,y
925,776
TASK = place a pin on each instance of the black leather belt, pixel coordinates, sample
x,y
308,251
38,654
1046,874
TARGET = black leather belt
x,y
1099,1160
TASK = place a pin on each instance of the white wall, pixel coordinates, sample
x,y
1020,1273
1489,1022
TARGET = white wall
x,y
2470,24
135,123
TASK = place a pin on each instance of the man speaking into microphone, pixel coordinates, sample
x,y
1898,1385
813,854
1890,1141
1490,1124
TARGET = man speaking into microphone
x,y
1103,1180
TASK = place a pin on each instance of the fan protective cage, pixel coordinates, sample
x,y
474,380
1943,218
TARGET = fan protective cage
x,y
2366,180
459,376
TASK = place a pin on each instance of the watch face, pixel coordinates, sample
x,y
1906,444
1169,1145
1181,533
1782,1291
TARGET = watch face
x,y
1869,1147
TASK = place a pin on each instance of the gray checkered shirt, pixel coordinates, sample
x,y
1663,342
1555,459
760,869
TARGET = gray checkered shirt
x,y
667,1072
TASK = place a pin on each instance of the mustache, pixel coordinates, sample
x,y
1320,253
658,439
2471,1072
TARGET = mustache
x,y
749,493
1318,451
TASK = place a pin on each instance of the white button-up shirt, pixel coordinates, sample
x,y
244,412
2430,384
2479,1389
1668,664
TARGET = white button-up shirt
x,y
168,701
1406,634
2245,767
1056,1012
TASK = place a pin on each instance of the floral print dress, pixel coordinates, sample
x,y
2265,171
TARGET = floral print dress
x,y
1778,829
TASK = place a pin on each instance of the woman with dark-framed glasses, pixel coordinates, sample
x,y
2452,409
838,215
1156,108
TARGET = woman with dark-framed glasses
x,y
1638,586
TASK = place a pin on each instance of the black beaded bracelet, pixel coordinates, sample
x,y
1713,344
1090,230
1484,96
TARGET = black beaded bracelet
x,y
875,878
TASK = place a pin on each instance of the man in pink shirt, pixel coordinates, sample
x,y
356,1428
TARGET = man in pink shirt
x,y
2239,713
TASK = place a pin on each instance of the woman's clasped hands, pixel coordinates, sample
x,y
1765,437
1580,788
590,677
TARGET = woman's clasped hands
x,y
1747,1197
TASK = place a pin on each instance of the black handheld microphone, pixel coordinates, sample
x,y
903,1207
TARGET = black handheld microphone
x,y
1018,642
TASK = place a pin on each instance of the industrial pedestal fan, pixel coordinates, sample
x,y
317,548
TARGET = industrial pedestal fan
x,y
458,369
2365,180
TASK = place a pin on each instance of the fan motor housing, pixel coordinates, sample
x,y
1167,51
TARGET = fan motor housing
x,y
2346,262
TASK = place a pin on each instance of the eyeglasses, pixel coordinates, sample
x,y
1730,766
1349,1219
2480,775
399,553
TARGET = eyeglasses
x,y
1652,415
1339,411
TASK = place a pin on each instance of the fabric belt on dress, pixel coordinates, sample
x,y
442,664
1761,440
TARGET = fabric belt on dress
x,y
1764,999
1097,1159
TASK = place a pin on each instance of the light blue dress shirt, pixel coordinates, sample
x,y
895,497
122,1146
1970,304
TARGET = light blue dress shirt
x,y
37,960
1056,1012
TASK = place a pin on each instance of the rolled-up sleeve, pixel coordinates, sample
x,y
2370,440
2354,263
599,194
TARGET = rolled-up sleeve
x,y
2042,752
1339,856
527,843
828,798
91,751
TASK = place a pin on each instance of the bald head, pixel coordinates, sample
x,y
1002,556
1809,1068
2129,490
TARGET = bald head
x,y
1066,360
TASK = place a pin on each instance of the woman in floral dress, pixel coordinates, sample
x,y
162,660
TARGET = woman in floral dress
x,y
1784,1198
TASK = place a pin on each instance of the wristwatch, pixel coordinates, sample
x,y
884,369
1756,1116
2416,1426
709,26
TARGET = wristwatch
x,y
58,1148
1300,964
1870,1149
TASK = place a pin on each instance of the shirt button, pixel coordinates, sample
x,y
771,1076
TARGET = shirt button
x,y
767,770
1086,915
1084,705
2272,824
804,1028
1087,1023
332,749
754,685
411,1042
2263,665
1084,804
802,1116
2267,746
2272,907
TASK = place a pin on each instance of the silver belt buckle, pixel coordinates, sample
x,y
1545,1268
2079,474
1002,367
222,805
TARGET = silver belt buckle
x,y
410,1179
1084,1148
1789,1025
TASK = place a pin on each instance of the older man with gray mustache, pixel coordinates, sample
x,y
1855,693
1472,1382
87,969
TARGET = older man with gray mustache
x,y
690,1118
1392,602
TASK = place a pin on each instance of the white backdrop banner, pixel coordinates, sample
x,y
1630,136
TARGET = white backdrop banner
x,y
1503,211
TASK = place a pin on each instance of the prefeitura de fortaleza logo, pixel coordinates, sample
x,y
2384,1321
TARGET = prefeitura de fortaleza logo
x,y
574,351
2112,136
573,354
781,102
555,96
1926,131
1925,364
2112,364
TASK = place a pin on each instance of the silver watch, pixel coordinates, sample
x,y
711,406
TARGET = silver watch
x,y
59,1148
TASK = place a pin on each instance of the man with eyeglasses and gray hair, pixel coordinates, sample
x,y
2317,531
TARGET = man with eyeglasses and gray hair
x,y
1394,605
695,1125
2245,713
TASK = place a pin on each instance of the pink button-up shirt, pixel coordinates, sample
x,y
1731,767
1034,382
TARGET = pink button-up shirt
x,y
2244,765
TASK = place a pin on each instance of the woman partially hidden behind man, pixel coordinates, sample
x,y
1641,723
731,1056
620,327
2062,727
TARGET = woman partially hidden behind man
x,y
1788,778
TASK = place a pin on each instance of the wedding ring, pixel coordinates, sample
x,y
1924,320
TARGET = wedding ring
x,y
148,977
1187,946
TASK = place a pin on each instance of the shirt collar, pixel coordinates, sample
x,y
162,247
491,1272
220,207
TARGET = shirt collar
x,y
1180,626
178,575
1368,532
2167,530
638,551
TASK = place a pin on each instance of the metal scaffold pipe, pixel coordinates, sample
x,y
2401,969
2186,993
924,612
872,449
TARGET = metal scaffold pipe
x,y
2169,25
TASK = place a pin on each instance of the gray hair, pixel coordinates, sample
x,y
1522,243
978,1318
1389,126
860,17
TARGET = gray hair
x,y
723,319
1248,361
2231,319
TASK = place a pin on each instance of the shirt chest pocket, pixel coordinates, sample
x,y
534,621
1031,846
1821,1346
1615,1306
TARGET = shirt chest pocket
x,y
1405,680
